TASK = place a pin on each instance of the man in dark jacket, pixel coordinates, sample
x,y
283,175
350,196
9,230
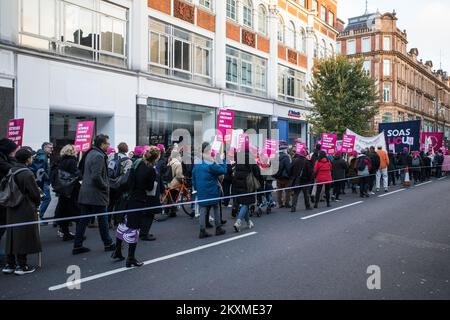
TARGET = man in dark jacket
x,y
391,168
312,162
282,177
339,171
21,241
94,193
41,169
438,161
7,161
375,161
301,175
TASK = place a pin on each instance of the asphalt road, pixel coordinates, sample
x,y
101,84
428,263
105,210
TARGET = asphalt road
x,y
406,234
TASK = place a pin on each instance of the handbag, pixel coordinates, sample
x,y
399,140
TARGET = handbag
x,y
314,190
153,192
252,183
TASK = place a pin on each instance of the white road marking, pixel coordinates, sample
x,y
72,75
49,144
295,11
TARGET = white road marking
x,y
331,210
421,184
170,256
442,178
389,193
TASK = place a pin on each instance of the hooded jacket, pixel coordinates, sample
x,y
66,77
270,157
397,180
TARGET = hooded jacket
x,y
322,171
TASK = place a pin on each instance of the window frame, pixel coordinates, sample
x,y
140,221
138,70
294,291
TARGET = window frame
x,y
353,41
230,4
247,14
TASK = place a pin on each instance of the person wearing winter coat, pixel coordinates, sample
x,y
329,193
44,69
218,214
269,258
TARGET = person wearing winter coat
x,y
363,165
312,163
382,171
403,162
283,178
24,240
7,161
240,187
176,168
339,171
392,168
352,172
302,176
438,162
375,166
205,179
427,166
94,194
322,173
68,206
41,168
416,166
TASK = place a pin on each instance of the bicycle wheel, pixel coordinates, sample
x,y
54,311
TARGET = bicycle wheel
x,y
189,207
164,215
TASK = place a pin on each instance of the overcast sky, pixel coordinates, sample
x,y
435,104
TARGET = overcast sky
x,y
426,22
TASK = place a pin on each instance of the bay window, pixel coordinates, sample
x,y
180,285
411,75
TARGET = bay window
x,y
291,85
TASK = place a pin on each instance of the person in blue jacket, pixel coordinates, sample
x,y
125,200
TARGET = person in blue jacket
x,y
205,180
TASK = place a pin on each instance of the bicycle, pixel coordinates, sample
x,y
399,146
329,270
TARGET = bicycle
x,y
184,197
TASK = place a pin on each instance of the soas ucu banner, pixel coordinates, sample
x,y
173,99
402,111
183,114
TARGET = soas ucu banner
x,y
402,134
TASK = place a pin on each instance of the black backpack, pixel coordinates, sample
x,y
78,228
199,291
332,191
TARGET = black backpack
x,y
361,164
10,194
168,175
115,170
64,183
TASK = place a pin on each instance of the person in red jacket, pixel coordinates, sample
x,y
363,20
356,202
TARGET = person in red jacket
x,y
322,173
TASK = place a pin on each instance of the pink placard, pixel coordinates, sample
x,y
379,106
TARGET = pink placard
x,y
83,136
15,131
300,147
241,143
329,143
348,143
225,122
432,140
270,148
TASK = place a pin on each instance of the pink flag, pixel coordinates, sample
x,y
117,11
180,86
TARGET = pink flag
x,y
15,131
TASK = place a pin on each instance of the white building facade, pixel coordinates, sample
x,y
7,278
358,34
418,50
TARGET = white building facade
x,y
143,68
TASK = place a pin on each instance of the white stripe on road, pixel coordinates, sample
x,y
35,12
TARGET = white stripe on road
x,y
170,256
389,193
331,210
442,178
421,184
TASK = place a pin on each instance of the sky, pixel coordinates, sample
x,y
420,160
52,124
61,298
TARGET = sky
x,y
426,23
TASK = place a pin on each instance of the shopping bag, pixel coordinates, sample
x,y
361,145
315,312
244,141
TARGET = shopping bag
x,y
314,190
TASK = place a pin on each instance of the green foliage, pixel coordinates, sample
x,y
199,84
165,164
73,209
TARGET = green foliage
x,y
343,96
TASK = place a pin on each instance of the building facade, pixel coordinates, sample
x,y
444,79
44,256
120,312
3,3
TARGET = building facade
x,y
409,89
143,68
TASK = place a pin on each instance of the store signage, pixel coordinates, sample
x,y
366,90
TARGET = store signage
x,y
15,131
83,136
296,114
348,143
329,143
225,122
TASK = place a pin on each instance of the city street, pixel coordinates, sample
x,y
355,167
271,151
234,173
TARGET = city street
x,y
303,255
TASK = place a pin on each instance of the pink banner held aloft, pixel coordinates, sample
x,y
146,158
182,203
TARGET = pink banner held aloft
x,y
225,122
432,141
300,147
329,143
15,131
348,143
83,136
270,148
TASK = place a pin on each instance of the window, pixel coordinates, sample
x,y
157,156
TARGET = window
x,y
323,13
401,116
280,30
178,53
315,6
206,3
351,47
246,72
291,85
302,40
88,29
366,44
262,20
367,66
302,3
387,93
331,18
323,49
316,47
231,10
248,13
338,47
386,67
386,43
290,35
387,117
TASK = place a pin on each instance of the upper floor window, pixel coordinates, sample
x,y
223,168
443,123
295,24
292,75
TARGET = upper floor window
x,y
387,93
315,6
206,3
366,44
323,13
331,50
232,10
290,35
351,47
248,13
386,43
280,30
262,20
87,29
387,117
331,18
302,3
366,67
323,49
386,67
338,47
179,53
291,85
302,40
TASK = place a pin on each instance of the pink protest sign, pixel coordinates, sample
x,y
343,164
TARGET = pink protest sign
x,y
225,122
254,150
339,146
270,148
348,143
432,140
15,131
241,142
83,136
329,143
300,147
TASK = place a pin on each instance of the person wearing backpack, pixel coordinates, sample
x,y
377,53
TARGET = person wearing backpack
x,y
66,184
363,165
41,169
322,174
244,174
205,180
94,194
24,240
282,177
7,161
416,166
300,171
118,167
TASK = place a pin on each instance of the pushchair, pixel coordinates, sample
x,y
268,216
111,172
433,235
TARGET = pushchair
x,y
263,200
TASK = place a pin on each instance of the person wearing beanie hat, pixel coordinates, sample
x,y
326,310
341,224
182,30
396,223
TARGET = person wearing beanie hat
x,y
282,176
7,161
24,240
137,153
302,175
